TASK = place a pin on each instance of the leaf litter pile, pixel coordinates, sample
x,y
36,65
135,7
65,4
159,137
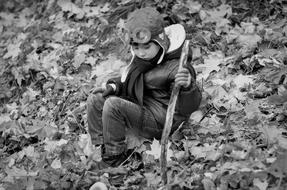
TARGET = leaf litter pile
x,y
54,52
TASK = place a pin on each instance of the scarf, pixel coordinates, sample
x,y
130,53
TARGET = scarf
x,y
133,87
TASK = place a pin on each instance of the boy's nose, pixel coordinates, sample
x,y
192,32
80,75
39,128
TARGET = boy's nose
x,y
142,53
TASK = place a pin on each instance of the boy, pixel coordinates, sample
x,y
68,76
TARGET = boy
x,y
140,97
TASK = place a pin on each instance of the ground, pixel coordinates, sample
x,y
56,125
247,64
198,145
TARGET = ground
x,y
53,53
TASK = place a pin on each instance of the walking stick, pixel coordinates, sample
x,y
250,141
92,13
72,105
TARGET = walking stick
x,y
169,116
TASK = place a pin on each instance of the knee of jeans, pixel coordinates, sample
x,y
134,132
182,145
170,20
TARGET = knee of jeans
x,y
94,99
111,104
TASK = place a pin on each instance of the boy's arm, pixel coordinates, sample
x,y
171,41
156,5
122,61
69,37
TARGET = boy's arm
x,y
189,97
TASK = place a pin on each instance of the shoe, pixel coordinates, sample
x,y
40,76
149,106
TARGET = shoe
x,y
110,161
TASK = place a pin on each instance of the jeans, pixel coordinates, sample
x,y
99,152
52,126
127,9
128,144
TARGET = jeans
x,y
108,120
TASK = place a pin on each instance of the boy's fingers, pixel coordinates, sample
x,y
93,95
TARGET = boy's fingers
x,y
183,79
181,83
97,90
183,70
182,74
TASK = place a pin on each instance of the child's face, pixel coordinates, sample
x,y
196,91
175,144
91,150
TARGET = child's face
x,y
146,51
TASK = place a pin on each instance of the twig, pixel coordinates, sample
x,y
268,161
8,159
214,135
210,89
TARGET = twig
x,y
128,157
169,116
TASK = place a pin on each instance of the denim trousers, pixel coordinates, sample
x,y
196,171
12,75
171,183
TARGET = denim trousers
x,y
109,119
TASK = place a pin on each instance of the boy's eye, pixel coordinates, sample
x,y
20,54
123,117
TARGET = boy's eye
x,y
146,46
142,46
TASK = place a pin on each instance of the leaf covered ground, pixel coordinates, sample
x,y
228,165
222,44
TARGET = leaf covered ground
x,y
54,52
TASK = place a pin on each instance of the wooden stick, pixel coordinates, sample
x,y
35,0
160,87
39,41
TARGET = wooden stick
x,y
169,116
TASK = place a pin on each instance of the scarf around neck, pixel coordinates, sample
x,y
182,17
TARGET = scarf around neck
x,y
133,87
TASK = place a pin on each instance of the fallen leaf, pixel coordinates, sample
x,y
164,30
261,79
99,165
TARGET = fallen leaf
x,y
84,48
67,5
42,129
249,41
211,63
208,184
50,145
274,135
79,59
56,164
20,172
216,14
279,167
13,50
277,99
243,80
252,110
261,185
196,116
152,179
156,150
85,143
4,118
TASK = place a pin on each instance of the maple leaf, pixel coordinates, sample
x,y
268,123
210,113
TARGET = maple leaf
x,y
68,6
20,172
211,63
211,125
261,185
50,145
42,129
279,167
4,118
181,8
152,179
91,60
79,59
216,14
30,153
84,48
208,184
22,21
49,63
249,41
248,27
252,110
13,50
29,96
8,18
243,80
156,150
273,134
206,151
12,127
107,69
222,26
18,75
85,143
56,164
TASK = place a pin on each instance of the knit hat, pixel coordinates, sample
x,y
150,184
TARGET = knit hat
x,y
144,25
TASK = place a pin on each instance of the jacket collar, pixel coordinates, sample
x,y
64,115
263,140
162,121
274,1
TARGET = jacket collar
x,y
176,35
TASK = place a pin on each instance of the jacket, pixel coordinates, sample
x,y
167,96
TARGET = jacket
x,y
158,82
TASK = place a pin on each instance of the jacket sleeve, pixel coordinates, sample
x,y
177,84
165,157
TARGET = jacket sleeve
x,y
189,98
118,83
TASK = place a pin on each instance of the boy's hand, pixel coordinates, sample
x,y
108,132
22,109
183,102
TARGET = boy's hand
x,y
183,78
108,91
